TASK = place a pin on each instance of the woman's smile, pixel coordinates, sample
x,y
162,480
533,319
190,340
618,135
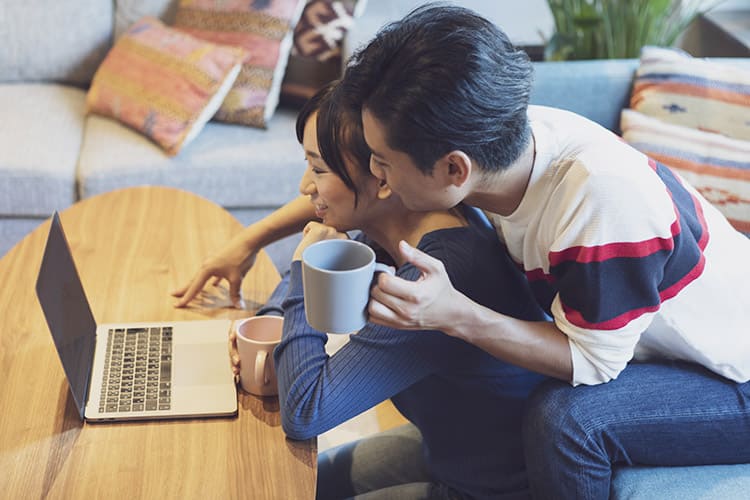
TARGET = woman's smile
x,y
320,208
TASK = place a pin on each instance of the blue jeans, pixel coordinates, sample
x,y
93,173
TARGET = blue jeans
x,y
652,414
389,465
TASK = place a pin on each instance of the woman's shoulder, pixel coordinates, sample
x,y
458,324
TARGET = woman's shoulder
x,y
465,248
477,232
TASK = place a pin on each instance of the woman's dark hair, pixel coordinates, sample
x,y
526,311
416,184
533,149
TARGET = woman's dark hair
x,y
340,136
443,79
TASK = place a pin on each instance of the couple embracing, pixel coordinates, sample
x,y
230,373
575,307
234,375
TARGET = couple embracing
x,y
561,304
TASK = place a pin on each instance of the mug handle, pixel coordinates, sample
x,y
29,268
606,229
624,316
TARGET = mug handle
x,y
260,368
384,268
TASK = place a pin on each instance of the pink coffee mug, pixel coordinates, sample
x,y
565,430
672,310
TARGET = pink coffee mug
x,y
257,337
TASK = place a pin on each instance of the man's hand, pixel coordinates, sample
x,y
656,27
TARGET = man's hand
x,y
314,232
430,303
232,264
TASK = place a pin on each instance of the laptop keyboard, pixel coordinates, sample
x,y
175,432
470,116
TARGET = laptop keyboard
x,y
137,370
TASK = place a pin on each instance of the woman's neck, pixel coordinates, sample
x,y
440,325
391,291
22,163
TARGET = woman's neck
x,y
410,227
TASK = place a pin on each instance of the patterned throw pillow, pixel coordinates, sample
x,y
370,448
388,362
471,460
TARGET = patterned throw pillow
x,y
316,55
717,166
677,88
264,29
163,83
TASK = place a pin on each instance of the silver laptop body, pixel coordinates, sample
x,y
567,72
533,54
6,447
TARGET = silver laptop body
x,y
153,370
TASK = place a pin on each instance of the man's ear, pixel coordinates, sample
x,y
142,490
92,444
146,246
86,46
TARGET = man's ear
x,y
456,167
384,190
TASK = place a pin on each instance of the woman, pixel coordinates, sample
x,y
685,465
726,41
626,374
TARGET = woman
x,y
464,405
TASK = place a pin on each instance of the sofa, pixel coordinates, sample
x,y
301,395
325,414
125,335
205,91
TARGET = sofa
x,y
599,90
52,154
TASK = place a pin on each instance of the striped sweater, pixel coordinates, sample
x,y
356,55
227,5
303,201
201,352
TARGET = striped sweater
x,y
628,259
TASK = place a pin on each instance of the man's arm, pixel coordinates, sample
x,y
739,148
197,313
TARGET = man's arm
x,y
236,258
431,303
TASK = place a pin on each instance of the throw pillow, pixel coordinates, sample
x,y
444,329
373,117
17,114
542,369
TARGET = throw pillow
x,y
717,166
127,12
264,29
316,54
163,83
682,90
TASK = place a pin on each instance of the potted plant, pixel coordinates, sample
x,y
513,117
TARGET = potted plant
x,y
608,29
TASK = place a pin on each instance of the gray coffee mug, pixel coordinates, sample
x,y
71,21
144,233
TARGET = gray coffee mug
x,y
336,276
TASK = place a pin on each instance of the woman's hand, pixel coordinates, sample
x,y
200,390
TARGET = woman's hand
x,y
231,263
430,303
314,232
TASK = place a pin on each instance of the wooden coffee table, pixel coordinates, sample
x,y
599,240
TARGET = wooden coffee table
x,y
131,248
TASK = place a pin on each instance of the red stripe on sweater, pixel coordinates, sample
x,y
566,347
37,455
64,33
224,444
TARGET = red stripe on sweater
x,y
615,323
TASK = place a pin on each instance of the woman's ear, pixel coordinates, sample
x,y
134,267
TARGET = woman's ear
x,y
455,167
384,190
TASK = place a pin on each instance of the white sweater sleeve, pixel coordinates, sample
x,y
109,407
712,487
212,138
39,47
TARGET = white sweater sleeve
x,y
606,257
598,356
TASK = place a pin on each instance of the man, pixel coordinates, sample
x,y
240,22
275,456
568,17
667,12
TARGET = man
x,y
629,261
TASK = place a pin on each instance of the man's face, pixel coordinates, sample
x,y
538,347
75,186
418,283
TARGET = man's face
x,y
418,191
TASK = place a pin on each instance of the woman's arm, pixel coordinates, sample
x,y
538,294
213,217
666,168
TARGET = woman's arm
x,y
236,258
318,392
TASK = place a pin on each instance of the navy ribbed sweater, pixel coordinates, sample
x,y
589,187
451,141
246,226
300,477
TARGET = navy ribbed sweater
x,y
466,403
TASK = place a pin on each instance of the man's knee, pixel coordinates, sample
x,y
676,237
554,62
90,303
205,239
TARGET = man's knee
x,y
548,411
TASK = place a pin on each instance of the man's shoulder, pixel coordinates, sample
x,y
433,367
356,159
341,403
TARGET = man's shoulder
x,y
569,143
559,118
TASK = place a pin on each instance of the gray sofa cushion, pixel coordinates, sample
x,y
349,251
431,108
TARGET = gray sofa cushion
x,y
234,166
40,136
50,40
12,231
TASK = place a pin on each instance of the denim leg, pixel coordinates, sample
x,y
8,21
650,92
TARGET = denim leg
x,y
668,413
391,461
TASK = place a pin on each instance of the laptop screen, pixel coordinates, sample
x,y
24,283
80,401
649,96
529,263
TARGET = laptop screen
x,y
67,311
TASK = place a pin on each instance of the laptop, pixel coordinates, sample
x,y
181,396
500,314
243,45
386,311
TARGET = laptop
x,y
131,371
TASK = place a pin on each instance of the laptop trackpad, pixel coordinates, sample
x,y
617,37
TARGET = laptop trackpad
x,y
201,364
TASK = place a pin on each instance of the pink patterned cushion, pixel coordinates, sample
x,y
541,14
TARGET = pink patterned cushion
x,y
264,30
163,83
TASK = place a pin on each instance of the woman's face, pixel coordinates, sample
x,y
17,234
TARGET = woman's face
x,y
333,200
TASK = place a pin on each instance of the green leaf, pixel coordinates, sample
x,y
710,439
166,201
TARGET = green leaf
x,y
586,29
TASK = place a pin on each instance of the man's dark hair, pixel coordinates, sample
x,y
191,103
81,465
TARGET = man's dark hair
x,y
340,136
442,79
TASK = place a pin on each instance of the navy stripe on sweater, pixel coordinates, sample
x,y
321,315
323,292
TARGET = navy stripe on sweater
x,y
604,287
